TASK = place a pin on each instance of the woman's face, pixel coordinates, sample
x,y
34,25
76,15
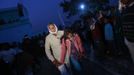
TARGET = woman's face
x,y
69,35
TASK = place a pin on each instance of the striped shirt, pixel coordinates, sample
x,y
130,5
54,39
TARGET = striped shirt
x,y
128,23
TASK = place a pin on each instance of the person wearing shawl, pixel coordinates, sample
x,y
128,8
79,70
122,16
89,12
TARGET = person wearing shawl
x,y
53,44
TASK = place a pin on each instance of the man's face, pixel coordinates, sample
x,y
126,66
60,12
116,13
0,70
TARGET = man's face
x,y
52,28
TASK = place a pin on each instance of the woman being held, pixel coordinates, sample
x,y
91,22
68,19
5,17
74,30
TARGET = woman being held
x,y
72,49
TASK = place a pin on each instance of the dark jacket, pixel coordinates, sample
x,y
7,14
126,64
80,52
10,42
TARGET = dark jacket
x,y
128,23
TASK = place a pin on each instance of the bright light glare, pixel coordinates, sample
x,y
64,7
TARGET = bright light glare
x,y
82,6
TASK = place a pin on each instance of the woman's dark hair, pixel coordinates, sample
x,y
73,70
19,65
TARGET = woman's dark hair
x,y
66,32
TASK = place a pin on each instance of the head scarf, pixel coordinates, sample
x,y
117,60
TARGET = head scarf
x,y
51,31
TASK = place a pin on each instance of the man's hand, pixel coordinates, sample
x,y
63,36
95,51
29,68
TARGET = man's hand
x,y
57,63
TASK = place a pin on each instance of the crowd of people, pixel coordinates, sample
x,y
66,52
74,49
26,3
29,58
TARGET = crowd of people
x,y
18,57
104,33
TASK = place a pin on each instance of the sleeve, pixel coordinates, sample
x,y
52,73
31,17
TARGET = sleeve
x,y
63,52
61,33
79,43
68,44
47,49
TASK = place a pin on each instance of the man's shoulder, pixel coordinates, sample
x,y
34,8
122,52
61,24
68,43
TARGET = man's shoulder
x,y
48,36
60,31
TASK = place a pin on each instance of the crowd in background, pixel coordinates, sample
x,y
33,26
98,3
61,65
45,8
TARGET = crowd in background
x,y
19,56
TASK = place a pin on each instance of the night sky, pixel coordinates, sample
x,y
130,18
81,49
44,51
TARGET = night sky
x,y
41,12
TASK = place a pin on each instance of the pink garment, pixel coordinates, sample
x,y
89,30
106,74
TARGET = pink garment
x,y
66,47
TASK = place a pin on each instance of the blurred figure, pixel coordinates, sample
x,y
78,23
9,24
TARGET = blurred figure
x,y
23,62
96,36
128,25
7,53
53,45
89,27
26,44
5,60
72,49
109,37
4,68
41,45
122,4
